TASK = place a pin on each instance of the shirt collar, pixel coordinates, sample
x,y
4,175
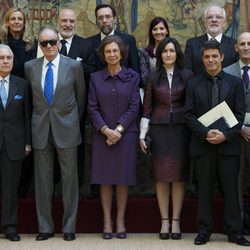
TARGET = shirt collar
x,y
68,40
243,64
103,35
218,38
55,62
7,78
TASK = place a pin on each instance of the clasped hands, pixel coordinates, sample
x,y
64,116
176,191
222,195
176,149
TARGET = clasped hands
x,y
215,136
113,136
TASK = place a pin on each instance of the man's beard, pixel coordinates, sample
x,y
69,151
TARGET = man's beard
x,y
106,30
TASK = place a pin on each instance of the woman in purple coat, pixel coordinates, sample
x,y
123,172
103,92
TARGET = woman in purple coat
x,y
113,107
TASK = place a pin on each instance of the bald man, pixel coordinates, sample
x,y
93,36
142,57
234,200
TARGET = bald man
x,y
241,70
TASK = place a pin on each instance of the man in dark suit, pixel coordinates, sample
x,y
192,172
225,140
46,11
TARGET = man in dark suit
x,y
214,21
72,45
215,150
241,69
80,49
106,17
15,138
58,90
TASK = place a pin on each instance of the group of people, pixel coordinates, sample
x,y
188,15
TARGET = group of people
x,y
45,102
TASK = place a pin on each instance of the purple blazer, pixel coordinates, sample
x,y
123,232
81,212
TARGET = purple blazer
x,y
114,99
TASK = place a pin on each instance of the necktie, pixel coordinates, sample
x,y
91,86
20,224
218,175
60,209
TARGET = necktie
x,y
48,84
63,50
215,92
245,76
212,39
3,93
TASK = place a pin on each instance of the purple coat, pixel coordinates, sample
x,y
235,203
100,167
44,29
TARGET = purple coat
x,y
114,100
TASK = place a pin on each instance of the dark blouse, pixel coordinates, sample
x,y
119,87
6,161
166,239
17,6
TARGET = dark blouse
x,y
20,54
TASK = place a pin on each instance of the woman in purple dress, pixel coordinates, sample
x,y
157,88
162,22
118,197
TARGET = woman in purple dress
x,y
163,110
113,107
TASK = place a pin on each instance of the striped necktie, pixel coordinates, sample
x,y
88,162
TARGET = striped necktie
x,y
49,83
3,93
215,92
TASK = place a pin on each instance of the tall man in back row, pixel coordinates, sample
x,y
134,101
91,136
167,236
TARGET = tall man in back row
x,y
106,16
215,21
215,151
58,90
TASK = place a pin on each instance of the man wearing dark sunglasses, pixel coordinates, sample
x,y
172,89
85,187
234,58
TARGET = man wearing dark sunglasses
x,y
58,89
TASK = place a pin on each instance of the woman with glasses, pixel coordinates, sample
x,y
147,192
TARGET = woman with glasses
x,y
113,107
158,30
163,110
14,32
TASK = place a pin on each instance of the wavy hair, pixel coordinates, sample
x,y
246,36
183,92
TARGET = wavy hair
x,y
4,32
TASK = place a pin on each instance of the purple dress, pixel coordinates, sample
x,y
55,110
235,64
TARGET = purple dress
x,y
114,100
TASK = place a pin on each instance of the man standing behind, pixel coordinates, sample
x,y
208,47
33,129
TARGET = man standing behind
x,y
15,138
106,16
80,49
72,45
58,90
241,69
216,151
214,21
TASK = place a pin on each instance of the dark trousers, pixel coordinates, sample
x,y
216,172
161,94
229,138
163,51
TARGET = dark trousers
x,y
10,176
227,169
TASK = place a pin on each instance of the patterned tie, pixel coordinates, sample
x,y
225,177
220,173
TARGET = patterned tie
x,y
63,50
3,93
212,39
245,76
215,92
49,83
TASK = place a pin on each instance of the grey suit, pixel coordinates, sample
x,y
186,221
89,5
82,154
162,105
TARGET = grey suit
x,y
56,126
235,70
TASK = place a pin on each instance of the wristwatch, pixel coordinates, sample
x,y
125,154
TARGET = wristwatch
x,y
120,128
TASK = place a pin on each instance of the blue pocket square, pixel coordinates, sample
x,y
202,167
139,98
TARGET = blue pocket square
x,y
18,97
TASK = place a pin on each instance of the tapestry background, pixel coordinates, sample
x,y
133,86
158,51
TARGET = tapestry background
x,y
184,18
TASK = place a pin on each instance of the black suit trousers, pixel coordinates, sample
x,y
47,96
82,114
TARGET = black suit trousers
x,y
10,176
227,169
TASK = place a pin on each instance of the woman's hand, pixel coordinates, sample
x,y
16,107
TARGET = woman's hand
x,y
112,136
143,146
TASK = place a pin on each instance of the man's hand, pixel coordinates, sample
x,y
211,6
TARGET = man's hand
x,y
245,132
215,136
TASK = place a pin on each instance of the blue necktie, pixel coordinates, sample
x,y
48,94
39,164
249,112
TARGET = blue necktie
x,y
48,84
3,93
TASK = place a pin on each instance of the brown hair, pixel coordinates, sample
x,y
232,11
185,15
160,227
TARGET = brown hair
x,y
113,39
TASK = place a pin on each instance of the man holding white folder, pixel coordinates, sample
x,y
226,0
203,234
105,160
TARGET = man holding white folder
x,y
216,151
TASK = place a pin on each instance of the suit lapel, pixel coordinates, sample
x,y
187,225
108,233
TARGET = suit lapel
x,y
202,91
62,74
74,48
12,91
225,87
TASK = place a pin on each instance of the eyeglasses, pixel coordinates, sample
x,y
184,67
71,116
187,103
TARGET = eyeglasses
x,y
216,17
51,42
101,18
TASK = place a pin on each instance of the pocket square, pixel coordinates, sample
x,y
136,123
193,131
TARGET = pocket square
x,y
18,97
79,59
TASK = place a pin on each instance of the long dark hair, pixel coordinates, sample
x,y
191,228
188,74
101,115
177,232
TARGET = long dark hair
x,y
179,54
179,63
151,40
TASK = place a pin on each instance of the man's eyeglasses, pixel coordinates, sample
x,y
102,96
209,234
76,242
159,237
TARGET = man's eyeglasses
x,y
51,42
216,17
101,18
